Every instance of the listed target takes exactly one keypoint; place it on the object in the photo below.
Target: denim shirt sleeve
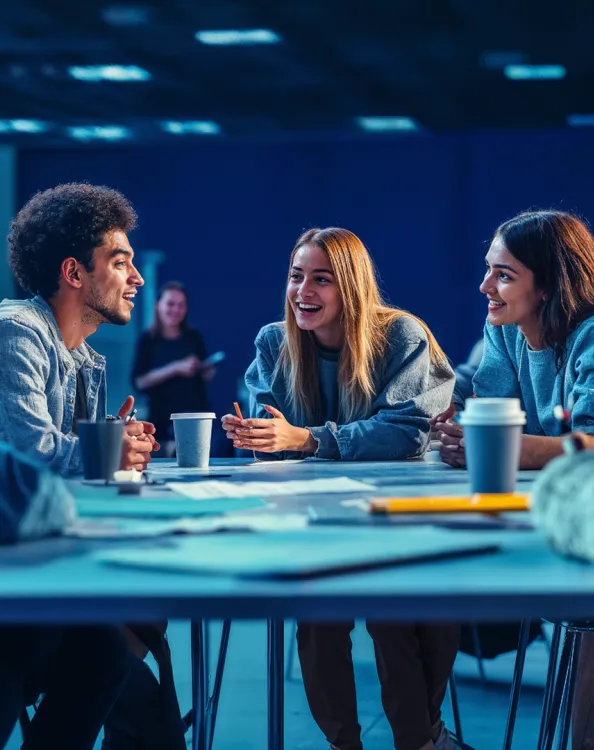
(413, 391)
(24, 407)
(258, 379)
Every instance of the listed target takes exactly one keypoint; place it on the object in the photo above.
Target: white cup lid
(493, 411)
(194, 415)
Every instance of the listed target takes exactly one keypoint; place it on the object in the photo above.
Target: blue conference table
(62, 579)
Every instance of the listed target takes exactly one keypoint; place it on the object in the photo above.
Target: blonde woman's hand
(271, 435)
(451, 448)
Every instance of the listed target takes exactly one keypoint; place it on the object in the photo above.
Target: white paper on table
(206, 490)
(84, 528)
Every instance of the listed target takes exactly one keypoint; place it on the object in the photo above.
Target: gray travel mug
(101, 447)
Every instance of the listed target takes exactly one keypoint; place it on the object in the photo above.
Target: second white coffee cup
(193, 432)
(492, 438)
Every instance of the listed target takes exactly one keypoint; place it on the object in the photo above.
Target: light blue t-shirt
(509, 368)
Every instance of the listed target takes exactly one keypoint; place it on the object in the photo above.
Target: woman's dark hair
(559, 250)
(69, 220)
(156, 328)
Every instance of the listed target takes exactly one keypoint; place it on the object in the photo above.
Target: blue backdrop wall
(227, 214)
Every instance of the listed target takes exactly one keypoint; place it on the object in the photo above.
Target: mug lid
(493, 411)
(194, 415)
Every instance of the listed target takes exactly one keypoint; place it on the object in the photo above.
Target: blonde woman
(347, 377)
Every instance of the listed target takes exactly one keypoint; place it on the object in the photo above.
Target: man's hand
(268, 435)
(139, 440)
(451, 449)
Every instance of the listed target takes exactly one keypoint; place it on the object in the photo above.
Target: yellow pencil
(478, 503)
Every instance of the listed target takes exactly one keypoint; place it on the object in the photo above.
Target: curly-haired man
(68, 246)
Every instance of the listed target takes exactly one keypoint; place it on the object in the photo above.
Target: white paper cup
(192, 438)
(492, 438)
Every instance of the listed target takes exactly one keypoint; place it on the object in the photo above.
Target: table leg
(276, 654)
(199, 682)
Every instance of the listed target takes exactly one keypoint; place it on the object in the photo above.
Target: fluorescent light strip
(22, 126)
(238, 36)
(580, 121)
(534, 72)
(386, 124)
(117, 73)
(191, 127)
(99, 132)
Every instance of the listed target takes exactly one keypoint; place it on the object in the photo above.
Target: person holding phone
(347, 377)
(170, 364)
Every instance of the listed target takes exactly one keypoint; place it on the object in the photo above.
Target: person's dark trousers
(414, 663)
(80, 670)
(142, 719)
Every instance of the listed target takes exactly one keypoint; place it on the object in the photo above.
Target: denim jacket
(38, 384)
(409, 390)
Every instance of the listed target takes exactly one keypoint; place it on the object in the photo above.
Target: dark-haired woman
(539, 334)
(539, 347)
(168, 363)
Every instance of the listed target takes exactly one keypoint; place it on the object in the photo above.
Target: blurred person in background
(168, 364)
(347, 377)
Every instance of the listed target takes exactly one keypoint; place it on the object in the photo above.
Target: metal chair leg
(567, 703)
(555, 705)
(455, 707)
(199, 683)
(476, 644)
(550, 683)
(212, 705)
(516, 684)
(276, 657)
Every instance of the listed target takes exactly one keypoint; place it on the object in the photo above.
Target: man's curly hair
(66, 221)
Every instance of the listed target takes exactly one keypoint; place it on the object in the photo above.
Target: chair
(560, 684)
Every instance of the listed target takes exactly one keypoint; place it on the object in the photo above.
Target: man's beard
(98, 306)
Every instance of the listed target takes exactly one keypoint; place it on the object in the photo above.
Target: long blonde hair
(366, 319)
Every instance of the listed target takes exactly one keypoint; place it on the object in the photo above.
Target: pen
(571, 444)
(131, 417)
(238, 410)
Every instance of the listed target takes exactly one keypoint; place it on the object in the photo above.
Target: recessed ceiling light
(123, 73)
(22, 126)
(579, 121)
(384, 124)
(497, 59)
(105, 132)
(124, 16)
(534, 72)
(191, 127)
(238, 36)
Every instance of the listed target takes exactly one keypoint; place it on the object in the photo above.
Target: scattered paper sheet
(205, 490)
(128, 529)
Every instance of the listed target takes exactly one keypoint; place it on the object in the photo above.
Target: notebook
(299, 554)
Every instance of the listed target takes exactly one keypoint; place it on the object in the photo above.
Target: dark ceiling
(437, 61)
